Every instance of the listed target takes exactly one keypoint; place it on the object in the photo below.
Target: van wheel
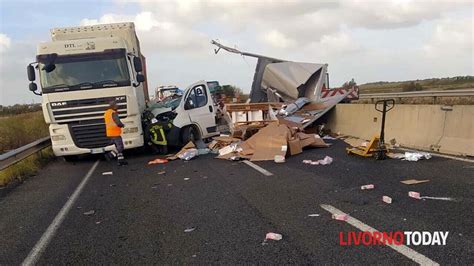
(189, 134)
(159, 149)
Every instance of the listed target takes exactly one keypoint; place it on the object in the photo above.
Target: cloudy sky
(366, 40)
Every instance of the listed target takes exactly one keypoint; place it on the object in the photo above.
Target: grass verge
(26, 168)
(19, 130)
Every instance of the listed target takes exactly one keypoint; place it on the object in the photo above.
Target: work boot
(122, 162)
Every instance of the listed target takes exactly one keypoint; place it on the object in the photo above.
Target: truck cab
(81, 70)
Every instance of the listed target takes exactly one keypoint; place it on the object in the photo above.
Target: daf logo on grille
(120, 98)
(58, 104)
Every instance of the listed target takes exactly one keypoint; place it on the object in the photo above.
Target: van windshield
(84, 71)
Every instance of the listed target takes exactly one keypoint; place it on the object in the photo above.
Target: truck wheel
(189, 134)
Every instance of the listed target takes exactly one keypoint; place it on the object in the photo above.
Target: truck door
(200, 108)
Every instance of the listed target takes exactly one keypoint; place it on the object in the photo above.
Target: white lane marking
(258, 168)
(41, 245)
(402, 249)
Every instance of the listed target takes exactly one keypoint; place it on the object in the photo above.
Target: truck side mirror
(33, 87)
(31, 73)
(137, 64)
(140, 78)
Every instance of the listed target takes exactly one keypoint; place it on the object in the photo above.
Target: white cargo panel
(125, 31)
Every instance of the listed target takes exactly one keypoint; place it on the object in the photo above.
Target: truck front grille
(77, 111)
(89, 136)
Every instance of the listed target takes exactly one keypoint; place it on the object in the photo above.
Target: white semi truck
(83, 68)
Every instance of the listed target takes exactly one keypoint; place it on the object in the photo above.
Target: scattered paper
(415, 156)
(162, 172)
(340, 217)
(369, 186)
(279, 158)
(326, 161)
(107, 173)
(314, 215)
(186, 178)
(88, 213)
(273, 236)
(414, 181)
(189, 230)
(387, 199)
(158, 161)
(413, 194)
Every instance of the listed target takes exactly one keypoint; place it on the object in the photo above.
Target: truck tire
(189, 134)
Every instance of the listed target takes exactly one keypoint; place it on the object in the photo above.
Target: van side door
(199, 106)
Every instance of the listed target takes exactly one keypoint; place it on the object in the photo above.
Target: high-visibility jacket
(111, 128)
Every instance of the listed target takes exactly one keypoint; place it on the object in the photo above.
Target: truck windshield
(84, 71)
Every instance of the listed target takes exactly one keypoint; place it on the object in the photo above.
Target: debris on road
(186, 178)
(107, 173)
(88, 213)
(158, 161)
(189, 230)
(438, 198)
(413, 194)
(162, 172)
(313, 215)
(326, 161)
(414, 181)
(112, 185)
(279, 159)
(340, 217)
(394, 155)
(387, 199)
(188, 154)
(98, 222)
(415, 156)
(275, 139)
(369, 186)
(273, 236)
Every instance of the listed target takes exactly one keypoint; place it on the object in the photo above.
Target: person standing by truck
(113, 128)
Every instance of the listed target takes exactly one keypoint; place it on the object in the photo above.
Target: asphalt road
(141, 215)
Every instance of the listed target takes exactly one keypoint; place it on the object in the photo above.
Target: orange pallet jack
(376, 146)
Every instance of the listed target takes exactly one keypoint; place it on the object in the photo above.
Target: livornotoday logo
(409, 238)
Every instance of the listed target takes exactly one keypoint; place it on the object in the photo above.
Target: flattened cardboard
(268, 142)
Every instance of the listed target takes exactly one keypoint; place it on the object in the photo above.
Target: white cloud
(451, 36)
(13, 77)
(4, 42)
(157, 35)
(277, 39)
(175, 36)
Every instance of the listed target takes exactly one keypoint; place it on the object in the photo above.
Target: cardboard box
(295, 147)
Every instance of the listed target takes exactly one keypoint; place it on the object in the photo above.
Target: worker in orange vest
(113, 127)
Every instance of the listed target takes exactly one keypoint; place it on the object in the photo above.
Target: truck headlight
(130, 130)
(58, 137)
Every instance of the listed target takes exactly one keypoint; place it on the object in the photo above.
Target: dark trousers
(118, 142)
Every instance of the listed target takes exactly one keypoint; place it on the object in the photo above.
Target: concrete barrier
(429, 127)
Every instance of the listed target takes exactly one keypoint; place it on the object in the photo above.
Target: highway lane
(141, 215)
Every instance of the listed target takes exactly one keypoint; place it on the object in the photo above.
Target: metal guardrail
(14, 156)
(411, 94)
